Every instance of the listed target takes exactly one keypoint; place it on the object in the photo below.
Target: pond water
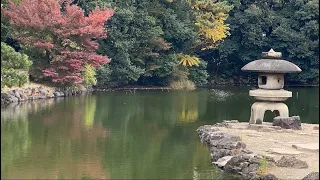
(119, 135)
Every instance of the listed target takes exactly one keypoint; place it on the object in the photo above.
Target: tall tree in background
(144, 42)
(149, 39)
(211, 16)
(58, 37)
(290, 27)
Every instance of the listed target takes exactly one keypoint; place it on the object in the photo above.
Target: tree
(11, 61)
(211, 16)
(290, 27)
(146, 38)
(58, 37)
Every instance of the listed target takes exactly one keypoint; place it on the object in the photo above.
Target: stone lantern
(270, 94)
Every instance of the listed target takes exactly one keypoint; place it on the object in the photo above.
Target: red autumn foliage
(62, 37)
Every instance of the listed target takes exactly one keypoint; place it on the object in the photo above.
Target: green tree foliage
(290, 27)
(11, 61)
(145, 38)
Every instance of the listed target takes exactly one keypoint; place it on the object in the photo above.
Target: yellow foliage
(211, 16)
(187, 60)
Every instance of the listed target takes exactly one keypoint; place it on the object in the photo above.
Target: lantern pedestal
(259, 108)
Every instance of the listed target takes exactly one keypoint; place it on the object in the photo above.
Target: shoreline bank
(263, 151)
(43, 92)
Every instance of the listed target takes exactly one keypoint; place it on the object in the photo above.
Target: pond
(123, 135)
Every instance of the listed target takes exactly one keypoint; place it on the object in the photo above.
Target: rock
(66, 93)
(222, 161)
(56, 94)
(252, 168)
(223, 124)
(291, 162)
(316, 128)
(24, 97)
(310, 147)
(284, 151)
(43, 92)
(229, 144)
(312, 176)
(10, 93)
(33, 91)
(287, 122)
(8, 98)
(250, 176)
(268, 177)
(230, 121)
(218, 153)
(16, 94)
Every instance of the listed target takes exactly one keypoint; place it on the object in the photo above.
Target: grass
(183, 85)
(263, 166)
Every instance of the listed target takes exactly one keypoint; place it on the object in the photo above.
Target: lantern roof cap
(271, 63)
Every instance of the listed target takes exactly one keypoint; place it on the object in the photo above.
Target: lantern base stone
(259, 108)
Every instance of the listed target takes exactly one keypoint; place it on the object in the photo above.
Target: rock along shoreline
(36, 93)
(229, 152)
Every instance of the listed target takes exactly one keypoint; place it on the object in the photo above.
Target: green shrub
(11, 62)
(199, 74)
(89, 75)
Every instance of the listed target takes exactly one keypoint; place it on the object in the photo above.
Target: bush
(89, 75)
(183, 85)
(11, 62)
(199, 75)
(179, 79)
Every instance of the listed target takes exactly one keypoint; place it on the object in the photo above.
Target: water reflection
(146, 135)
(62, 143)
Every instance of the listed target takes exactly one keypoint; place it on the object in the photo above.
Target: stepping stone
(310, 147)
(284, 151)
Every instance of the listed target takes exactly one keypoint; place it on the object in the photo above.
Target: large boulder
(287, 122)
(291, 162)
(7, 98)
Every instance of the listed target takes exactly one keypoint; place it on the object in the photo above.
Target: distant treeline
(177, 43)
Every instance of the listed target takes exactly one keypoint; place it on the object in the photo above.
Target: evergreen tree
(145, 38)
(290, 27)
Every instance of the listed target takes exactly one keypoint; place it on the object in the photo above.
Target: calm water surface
(118, 135)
